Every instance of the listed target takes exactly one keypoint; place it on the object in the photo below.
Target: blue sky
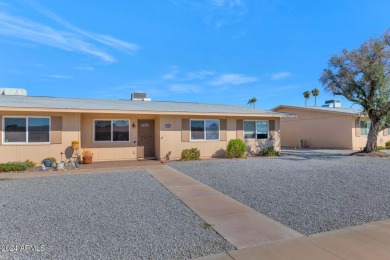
(211, 51)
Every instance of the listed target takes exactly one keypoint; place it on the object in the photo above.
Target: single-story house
(38, 127)
(326, 127)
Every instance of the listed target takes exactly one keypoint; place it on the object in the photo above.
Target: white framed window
(26, 129)
(256, 129)
(204, 129)
(111, 130)
(365, 127)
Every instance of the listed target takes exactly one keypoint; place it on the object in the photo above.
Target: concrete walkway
(368, 241)
(259, 237)
(242, 226)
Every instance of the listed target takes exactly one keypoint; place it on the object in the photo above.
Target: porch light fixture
(133, 125)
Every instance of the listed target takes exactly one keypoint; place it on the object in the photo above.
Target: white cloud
(218, 13)
(104, 39)
(184, 88)
(58, 76)
(201, 74)
(281, 75)
(73, 39)
(232, 79)
(227, 3)
(85, 68)
(172, 74)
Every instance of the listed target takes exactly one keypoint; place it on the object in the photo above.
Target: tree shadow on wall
(221, 153)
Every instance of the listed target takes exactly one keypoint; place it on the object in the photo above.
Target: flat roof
(339, 110)
(110, 106)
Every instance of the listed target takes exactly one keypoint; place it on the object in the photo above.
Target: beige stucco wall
(37, 152)
(77, 126)
(359, 142)
(382, 139)
(108, 151)
(318, 129)
(254, 146)
(116, 151)
(157, 137)
(171, 142)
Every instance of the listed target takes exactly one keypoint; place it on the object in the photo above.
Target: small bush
(381, 148)
(387, 144)
(190, 154)
(236, 148)
(269, 151)
(52, 159)
(87, 153)
(14, 166)
(29, 163)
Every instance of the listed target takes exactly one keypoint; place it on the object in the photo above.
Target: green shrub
(381, 148)
(236, 148)
(52, 159)
(190, 154)
(14, 166)
(387, 144)
(269, 151)
(29, 163)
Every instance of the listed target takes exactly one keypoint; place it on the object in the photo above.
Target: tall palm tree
(306, 95)
(252, 101)
(315, 92)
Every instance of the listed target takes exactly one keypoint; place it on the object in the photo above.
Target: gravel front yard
(310, 192)
(101, 216)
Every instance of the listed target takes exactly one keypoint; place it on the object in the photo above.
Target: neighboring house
(326, 127)
(37, 127)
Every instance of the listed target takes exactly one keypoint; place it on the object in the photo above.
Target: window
(112, 130)
(204, 129)
(26, 130)
(365, 127)
(255, 129)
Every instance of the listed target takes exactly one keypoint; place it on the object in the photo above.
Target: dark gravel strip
(310, 194)
(101, 216)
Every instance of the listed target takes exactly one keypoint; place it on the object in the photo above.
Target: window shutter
(240, 129)
(357, 127)
(56, 130)
(385, 132)
(1, 129)
(223, 130)
(271, 125)
(185, 130)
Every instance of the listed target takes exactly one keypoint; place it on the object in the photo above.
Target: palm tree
(306, 95)
(252, 101)
(315, 92)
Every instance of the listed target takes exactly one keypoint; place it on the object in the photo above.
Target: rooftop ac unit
(138, 96)
(13, 92)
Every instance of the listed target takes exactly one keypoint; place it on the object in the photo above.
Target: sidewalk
(368, 241)
(241, 225)
(259, 237)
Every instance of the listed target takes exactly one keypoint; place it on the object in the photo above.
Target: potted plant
(75, 145)
(87, 156)
(60, 165)
(49, 161)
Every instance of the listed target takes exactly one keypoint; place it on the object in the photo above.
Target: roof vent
(332, 103)
(139, 97)
(13, 92)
